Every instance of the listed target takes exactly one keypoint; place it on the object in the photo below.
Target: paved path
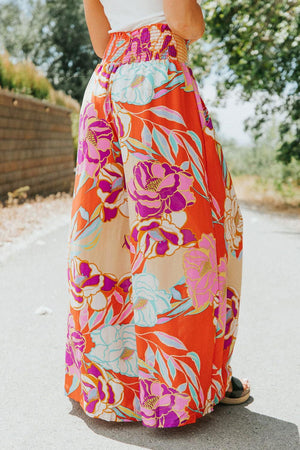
(35, 414)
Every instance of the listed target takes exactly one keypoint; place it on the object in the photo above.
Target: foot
(238, 392)
(245, 383)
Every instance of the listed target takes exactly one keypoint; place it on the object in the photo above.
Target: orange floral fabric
(155, 243)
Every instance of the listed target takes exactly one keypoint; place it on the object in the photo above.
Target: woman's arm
(185, 18)
(97, 24)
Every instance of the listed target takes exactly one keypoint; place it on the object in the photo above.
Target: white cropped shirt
(126, 15)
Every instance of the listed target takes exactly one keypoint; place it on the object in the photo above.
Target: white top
(126, 15)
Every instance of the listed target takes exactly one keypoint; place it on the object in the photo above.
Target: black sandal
(238, 394)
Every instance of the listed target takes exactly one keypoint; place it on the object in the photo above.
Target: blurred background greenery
(252, 45)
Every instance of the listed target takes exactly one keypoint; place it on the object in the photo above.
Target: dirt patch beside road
(21, 220)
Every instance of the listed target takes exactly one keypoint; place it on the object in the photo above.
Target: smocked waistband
(151, 42)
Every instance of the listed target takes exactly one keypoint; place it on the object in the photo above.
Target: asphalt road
(34, 412)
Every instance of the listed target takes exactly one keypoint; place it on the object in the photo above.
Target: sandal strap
(237, 388)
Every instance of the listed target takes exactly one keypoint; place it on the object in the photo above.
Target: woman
(155, 246)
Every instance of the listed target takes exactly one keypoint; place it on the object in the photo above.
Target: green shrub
(24, 78)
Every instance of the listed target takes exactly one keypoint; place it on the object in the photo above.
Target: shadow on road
(234, 427)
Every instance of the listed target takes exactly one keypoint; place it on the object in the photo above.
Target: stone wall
(36, 146)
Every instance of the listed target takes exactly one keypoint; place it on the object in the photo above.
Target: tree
(21, 28)
(254, 44)
(54, 35)
(68, 50)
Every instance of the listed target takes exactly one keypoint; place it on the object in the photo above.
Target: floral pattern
(88, 284)
(101, 394)
(155, 241)
(137, 83)
(95, 139)
(148, 300)
(115, 349)
(162, 404)
(158, 188)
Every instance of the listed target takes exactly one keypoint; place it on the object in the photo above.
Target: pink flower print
(162, 406)
(202, 271)
(159, 188)
(94, 143)
(74, 348)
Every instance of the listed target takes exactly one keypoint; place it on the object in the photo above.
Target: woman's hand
(185, 18)
(97, 24)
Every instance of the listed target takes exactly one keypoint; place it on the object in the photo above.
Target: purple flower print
(88, 285)
(159, 188)
(112, 192)
(74, 348)
(95, 140)
(101, 393)
(233, 301)
(162, 406)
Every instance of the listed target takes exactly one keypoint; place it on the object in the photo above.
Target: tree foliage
(54, 35)
(21, 28)
(68, 47)
(254, 44)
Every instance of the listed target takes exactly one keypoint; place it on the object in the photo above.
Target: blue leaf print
(175, 294)
(185, 165)
(146, 136)
(190, 373)
(198, 177)
(195, 358)
(109, 316)
(173, 144)
(196, 139)
(167, 113)
(84, 214)
(163, 368)
(172, 368)
(182, 387)
(163, 145)
(149, 356)
(91, 228)
(194, 394)
(182, 308)
(170, 341)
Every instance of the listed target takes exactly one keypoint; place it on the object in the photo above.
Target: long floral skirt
(155, 241)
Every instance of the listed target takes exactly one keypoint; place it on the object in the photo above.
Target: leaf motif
(171, 367)
(198, 177)
(195, 358)
(84, 214)
(169, 340)
(196, 139)
(128, 412)
(149, 356)
(163, 368)
(109, 316)
(194, 394)
(190, 373)
(143, 364)
(91, 228)
(163, 145)
(173, 144)
(182, 387)
(167, 113)
(138, 144)
(96, 212)
(146, 136)
(192, 153)
(185, 165)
